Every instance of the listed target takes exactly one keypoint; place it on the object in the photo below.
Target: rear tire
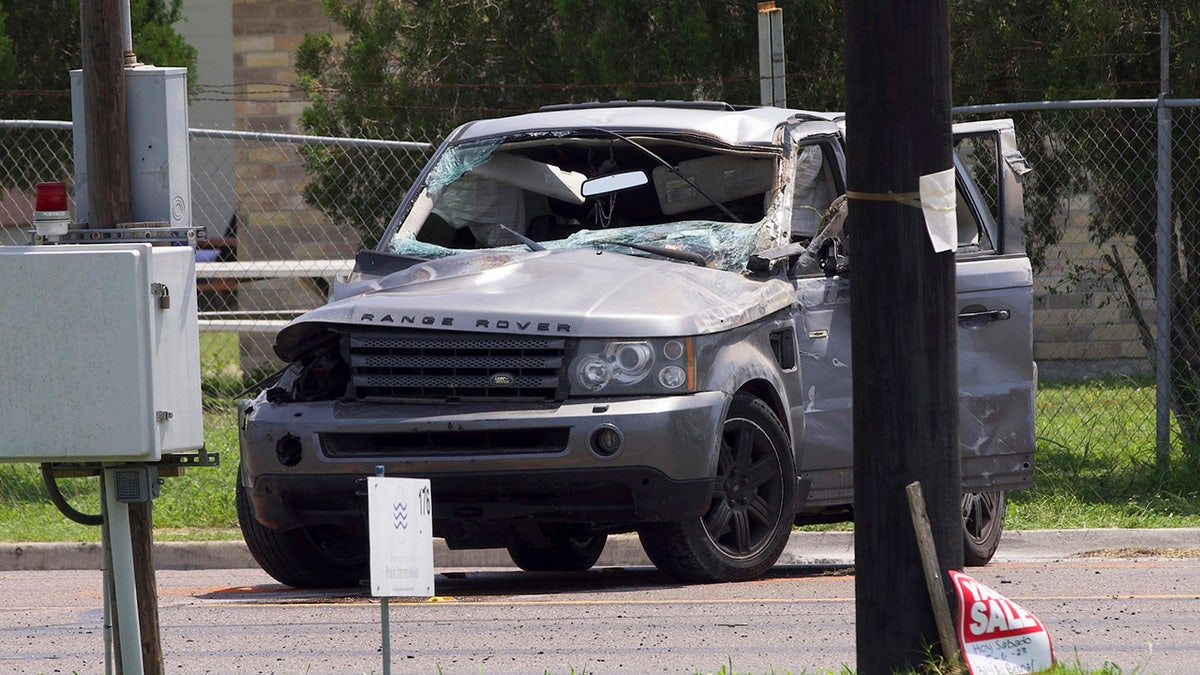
(753, 505)
(564, 553)
(983, 522)
(306, 557)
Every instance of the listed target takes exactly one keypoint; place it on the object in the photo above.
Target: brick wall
(1080, 314)
(265, 36)
(273, 221)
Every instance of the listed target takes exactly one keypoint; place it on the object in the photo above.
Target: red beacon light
(50, 217)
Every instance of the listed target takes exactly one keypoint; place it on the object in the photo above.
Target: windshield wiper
(725, 210)
(672, 253)
(381, 262)
(533, 245)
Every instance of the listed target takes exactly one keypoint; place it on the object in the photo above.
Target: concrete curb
(804, 548)
(1017, 545)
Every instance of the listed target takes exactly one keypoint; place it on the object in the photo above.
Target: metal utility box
(159, 171)
(99, 353)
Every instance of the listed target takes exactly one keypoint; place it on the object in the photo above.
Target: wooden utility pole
(902, 313)
(141, 536)
(109, 201)
(110, 205)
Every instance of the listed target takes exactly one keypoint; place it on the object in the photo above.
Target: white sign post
(998, 636)
(400, 526)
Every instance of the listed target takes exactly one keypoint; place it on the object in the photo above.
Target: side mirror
(613, 182)
(832, 257)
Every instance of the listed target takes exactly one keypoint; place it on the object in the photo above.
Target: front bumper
(301, 462)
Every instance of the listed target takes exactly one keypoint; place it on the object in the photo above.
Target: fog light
(288, 450)
(606, 441)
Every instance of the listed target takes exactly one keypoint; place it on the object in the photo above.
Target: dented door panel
(995, 372)
(996, 379)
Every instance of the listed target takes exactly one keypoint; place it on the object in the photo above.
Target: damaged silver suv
(623, 317)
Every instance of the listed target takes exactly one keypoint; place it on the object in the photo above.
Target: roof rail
(644, 103)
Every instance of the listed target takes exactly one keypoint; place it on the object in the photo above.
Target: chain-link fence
(1116, 343)
(1091, 204)
(1094, 236)
(252, 193)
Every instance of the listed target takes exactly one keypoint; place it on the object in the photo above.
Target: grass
(1095, 467)
(195, 506)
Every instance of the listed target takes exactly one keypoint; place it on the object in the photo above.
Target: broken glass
(456, 162)
(725, 246)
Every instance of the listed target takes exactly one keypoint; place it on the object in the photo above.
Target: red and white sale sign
(998, 636)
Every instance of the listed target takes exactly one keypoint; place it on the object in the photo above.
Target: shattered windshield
(456, 162)
(684, 195)
(724, 246)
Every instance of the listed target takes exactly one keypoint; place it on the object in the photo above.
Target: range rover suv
(623, 317)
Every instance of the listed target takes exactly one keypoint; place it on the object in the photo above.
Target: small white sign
(998, 636)
(400, 520)
(938, 202)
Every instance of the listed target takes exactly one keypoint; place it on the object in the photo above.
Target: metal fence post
(1163, 289)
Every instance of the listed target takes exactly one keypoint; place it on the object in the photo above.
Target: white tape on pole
(938, 202)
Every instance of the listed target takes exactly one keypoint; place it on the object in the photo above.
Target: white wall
(208, 26)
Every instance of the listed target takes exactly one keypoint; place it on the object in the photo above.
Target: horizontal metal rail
(63, 125)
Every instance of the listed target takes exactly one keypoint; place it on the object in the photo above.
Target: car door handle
(982, 316)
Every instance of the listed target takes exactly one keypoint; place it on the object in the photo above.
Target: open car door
(997, 376)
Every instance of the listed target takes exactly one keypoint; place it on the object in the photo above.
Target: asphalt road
(1130, 605)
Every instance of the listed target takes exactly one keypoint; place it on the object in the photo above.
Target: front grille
(399, 366)
(436, 444)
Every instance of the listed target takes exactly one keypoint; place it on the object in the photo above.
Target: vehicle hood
(564, 293)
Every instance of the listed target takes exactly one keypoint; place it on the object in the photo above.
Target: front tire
(753, 505)
(983, 522)
(306, 557)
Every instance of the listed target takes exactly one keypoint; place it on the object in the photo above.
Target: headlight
(672, 377)
(633, 367)
(592, 373)
(631, 361)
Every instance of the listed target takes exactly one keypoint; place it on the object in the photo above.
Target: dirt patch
(1139, 553)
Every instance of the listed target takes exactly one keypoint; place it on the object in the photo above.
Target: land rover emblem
(502, 380)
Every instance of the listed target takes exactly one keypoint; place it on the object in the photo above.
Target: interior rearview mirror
(613, 182)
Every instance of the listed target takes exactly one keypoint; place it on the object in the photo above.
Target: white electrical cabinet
(99, 353)
(159, 168)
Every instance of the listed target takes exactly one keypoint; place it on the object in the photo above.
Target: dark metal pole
(904, 347)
